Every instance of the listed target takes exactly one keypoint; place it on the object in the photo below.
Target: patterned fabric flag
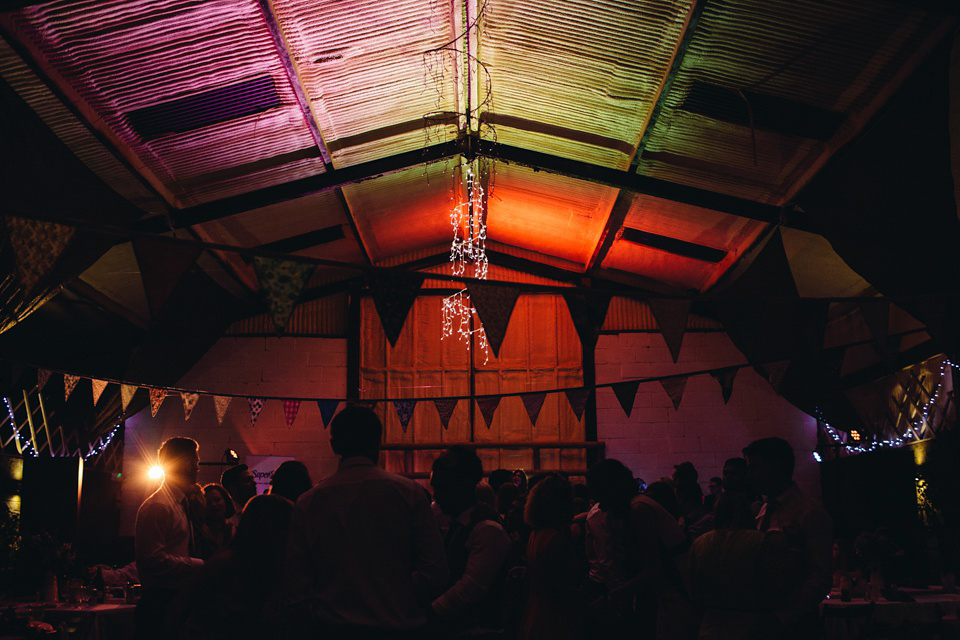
(626, 393)
(393, 295)
(189, 402)
(725, 378)
(256, 406)
(671, 316)
(578, 400)
(221, 403)
(156, 399)
(404, 411)
(494, 305)
(445, 409)
(127, 391)
(282, 281)
(488, 406)
(42, 376)
(37, 245)
(533, 402)
(98, 388)
(774, 373)
(69, 384)
(290, 409)
(162, 265)
(327, 409)
(588, 314)
(674, 388)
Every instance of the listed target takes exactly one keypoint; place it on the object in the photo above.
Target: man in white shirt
(165, 540)
(807, 530)
(476, 544)
(364, 555)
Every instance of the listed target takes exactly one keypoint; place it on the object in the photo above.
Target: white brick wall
(308, 367)
(704, 431)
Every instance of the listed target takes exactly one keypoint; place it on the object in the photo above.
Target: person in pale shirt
(807, 529)
(364, 554)
(476, 544)
(165, 541)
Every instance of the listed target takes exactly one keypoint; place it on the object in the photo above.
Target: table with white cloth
(96, 622)
(846, 620)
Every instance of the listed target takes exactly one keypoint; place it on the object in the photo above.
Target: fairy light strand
(25, 445)
(104, 443)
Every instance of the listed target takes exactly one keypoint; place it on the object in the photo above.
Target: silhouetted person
(239, 482)
(476, 544)
(236, 594)
(364, 555)
(714, 490)
(806, 527)
(685, 472)
(554, 608)
(290, 480)
(664, 495)
(498, 477)
(217, 528)
(165, 541)
(695, 519)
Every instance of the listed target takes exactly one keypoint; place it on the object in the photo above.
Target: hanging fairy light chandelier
(468, 258)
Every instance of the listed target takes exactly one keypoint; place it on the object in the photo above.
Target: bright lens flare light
(155, 472)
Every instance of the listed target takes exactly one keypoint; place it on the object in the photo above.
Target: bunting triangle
(774, 372)
(578, 400)
(189, 402)
(156, 399)
(533, 403)
(626, 393)
(36, 245)
(327, 409)
(671, 315)
(220, 403)
(488, 406)
(445, 409)
(290, 409)
(404, 411)
(588, 314)
(494, 305)
(281, 282)
(162, 265)
(393, 295)
(256, 406)
(43, 375)
(127, 392)
(69, 384)
(876, 314)
(674, 388)
(725, 378)
(98, 387)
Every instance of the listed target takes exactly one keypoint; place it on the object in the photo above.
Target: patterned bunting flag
(674, 388)
(671, 316)
(162, 265)
(282, 281)
(189, 402)
(156, 399)
(725, 378)
(578, 400)
(42, 376)
(98, 387)
(393, 295)
(494, 305)
(626, 393)
(256, 406)
(37, 245)
(69, 384)
(127, 391)
(404, 411)
(488, 406)
(588, 314)
(445, 409)
(290, 409)
(221, 403)
(774, 372)
(327, 409)
(533, 402)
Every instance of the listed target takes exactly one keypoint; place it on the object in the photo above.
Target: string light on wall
(467, 251)
(24, 445)
(104, 443)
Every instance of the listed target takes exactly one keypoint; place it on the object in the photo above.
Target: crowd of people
(370, 555)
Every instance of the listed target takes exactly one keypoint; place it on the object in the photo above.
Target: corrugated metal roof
(119, 56)
(362, 67)
(593, 68)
